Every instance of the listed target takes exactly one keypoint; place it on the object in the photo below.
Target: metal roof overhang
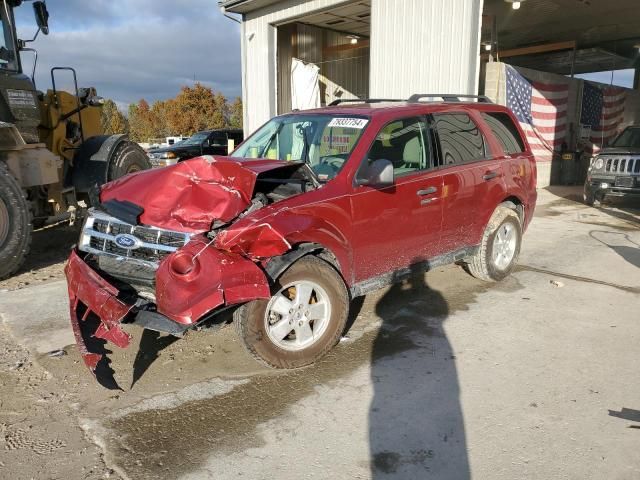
(606, 33)
(244, 6)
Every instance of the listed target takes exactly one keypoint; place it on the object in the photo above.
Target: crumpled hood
(191, 195)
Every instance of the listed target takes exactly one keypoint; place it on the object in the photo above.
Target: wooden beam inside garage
(548, 47)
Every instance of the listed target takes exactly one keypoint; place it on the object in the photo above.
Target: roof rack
(363, 100)
(448, 97)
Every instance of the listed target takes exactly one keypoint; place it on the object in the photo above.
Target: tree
(235, 113)
(141, 122)
(113, 121)
(196, 108)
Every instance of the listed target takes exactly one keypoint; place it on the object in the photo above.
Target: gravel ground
(49, 250)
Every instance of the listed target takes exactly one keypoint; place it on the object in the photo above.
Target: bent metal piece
(189, 284)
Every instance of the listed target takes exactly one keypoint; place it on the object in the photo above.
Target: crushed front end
(126, 271)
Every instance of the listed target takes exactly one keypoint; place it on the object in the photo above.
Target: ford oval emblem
(126, 241)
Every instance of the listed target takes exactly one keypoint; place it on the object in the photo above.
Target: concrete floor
(441, 377)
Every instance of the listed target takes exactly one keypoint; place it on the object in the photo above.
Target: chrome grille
(100, 231)
(630, 165)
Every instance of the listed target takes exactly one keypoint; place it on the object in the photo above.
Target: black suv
(615, 171)
(208, 142)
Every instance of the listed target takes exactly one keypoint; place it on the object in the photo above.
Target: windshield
(8, 59)
(195, 139)
(629, 138)
(324, 142)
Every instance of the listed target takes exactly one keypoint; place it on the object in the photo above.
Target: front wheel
(498, 252)
(303, 319)
(15, 224)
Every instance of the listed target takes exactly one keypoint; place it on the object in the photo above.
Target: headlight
(598, 163)
(167, 155)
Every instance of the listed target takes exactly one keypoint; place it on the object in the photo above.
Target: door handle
(490, 175)
(426, 191)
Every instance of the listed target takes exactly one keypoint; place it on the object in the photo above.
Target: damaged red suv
(312, 210)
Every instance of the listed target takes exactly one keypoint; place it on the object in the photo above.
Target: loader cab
(19, 104)
(9, 58)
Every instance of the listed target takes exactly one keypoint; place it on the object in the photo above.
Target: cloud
(137, 49)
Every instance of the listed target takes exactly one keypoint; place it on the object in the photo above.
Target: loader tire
(128, 158)
(15, 224)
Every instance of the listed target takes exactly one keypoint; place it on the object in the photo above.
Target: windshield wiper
(305, 146)
(271, 138)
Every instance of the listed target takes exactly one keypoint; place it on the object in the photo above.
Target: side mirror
(378, 174)
(42, 16)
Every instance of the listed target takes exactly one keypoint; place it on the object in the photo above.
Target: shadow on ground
(626, 209)
(621, 243)
(415, 420)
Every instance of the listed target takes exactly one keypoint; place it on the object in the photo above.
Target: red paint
(190, 195)
(369, 231)
(99, 297)
(217, 278)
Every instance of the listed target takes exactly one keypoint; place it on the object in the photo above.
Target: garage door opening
(337, 42)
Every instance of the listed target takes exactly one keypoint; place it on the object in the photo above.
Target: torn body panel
(190, 283)
(198, 278)
(91, 294)
(191, 195)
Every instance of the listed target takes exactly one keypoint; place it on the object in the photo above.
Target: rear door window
(461, 141)
(505, 131)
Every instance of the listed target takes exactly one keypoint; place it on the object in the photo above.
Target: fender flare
(278, 265)
(91, 161)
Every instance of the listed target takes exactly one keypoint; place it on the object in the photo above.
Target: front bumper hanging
(214, 279)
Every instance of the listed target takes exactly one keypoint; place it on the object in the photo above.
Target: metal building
(395, 48)
(356, 44)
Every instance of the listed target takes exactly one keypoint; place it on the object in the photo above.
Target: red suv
(312, 210)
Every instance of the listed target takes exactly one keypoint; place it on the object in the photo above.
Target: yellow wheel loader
(52, 147)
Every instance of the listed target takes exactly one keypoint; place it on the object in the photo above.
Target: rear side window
(460, 139)
(505, 131)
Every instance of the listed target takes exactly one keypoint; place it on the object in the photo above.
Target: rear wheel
(498, 252)
(128, 158)
(303, 319)
(15, 224)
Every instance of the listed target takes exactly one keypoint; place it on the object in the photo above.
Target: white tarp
(305, 89)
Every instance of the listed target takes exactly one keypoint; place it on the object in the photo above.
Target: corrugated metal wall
(343, 73)
(259, 50)
(424, 46)
(417, 46)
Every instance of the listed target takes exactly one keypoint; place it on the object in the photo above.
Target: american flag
(541, 109)
(603, 111)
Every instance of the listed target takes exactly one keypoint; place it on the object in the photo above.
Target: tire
(589, 197)
(251, 319)
(15, 224)
(483, 265)
(128, 158)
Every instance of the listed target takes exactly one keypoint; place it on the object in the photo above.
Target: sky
(132, 49)
(621, 78)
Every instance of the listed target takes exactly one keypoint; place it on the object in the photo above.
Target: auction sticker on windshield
(359, 123)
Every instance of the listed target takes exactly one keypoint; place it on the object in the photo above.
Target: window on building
(460, 139)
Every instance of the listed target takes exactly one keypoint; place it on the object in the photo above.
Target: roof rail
(363, 100)
(448, 97)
